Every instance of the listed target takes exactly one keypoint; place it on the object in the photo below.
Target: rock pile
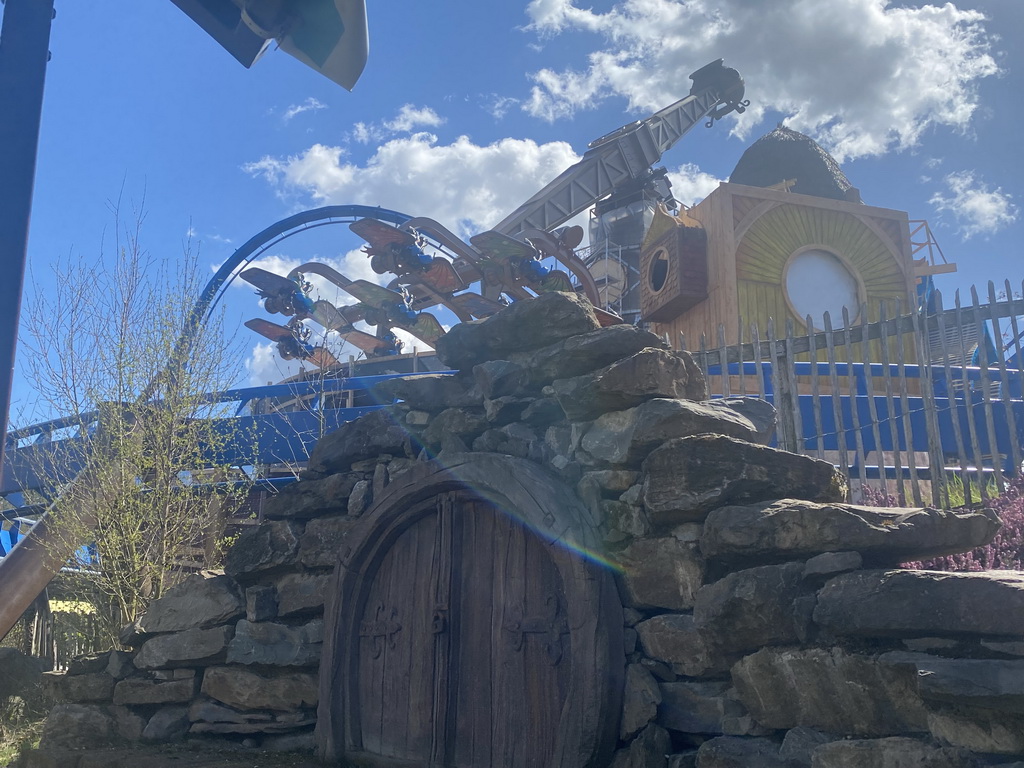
(766, 622)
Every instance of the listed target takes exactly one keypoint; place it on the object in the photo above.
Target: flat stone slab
(627, 437)
(980, 730)
(830, 690)
(367, 437)
(995, 684)
(272, 644)
(193, 647)
(201, 600)
(891, 752)
(626, 383)
(524, 325)
(788, 529)
(587, 352)
(904, 603)
(686, 478)
(242, 690)
(430, 391)
(312, 498)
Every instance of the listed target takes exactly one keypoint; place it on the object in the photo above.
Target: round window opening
(658, 271)
(818, 282)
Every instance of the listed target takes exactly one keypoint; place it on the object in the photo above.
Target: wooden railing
(904, 405)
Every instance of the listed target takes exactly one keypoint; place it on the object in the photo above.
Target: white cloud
(410, 117)
(861, 76)
(979, 209)
(498, 106)
(457, 183)
(309, 105)
(690, 184)
(265, 366)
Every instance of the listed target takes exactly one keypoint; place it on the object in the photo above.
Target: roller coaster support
(38, 557)
(24, 51)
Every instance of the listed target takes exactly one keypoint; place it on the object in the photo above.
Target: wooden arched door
(466, 635)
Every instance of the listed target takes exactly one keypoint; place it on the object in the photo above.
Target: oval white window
(818, 282)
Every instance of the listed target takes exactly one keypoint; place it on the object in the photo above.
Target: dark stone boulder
(263, 548)
(891, 752)
(641, 697)
(660, 573)
(980, 730)
(367, 437)
(626, 383)
(821, 568)
(79, 726)
(543, 413)
(191, 648)
(525, 325)
(736, 752)
(792, 528)
(167, 724)
(242, 689)
(676, 640)
(687, 477)
(506, 409)
(431, 392)
(760, 412)
(500, 378)
(586, 352)
(993, 684)
(312, 498)
(751, 608)
(830, 690)
(278, 645)
(91, 686)
(260, 603)
(301, 593)
(202, 600)
(137, 691)
(901, 603)
(627, 437)
(648, 750)
(463, 423)
(702, 707)
(322, 540)
(799, 743)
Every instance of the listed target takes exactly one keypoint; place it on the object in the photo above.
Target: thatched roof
(785, 154)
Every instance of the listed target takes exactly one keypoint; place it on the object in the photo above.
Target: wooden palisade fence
(904, 405)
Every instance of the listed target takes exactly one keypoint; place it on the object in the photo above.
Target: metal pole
(24, 51)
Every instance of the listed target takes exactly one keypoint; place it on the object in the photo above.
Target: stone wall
(766, 622)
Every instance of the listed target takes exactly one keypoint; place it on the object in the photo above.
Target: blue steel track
(39, 454)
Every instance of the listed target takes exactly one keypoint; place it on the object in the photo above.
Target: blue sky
(465, 109)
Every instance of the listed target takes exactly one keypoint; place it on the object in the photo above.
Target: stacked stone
(765, 623)
(224, 658)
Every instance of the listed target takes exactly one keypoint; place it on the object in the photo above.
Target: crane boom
(628, 153)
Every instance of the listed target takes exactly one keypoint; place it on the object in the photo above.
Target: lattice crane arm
(627, 154)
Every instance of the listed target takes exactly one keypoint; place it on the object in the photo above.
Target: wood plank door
(510, 650)
(463, 643)
(396, 674)
(469, 632)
